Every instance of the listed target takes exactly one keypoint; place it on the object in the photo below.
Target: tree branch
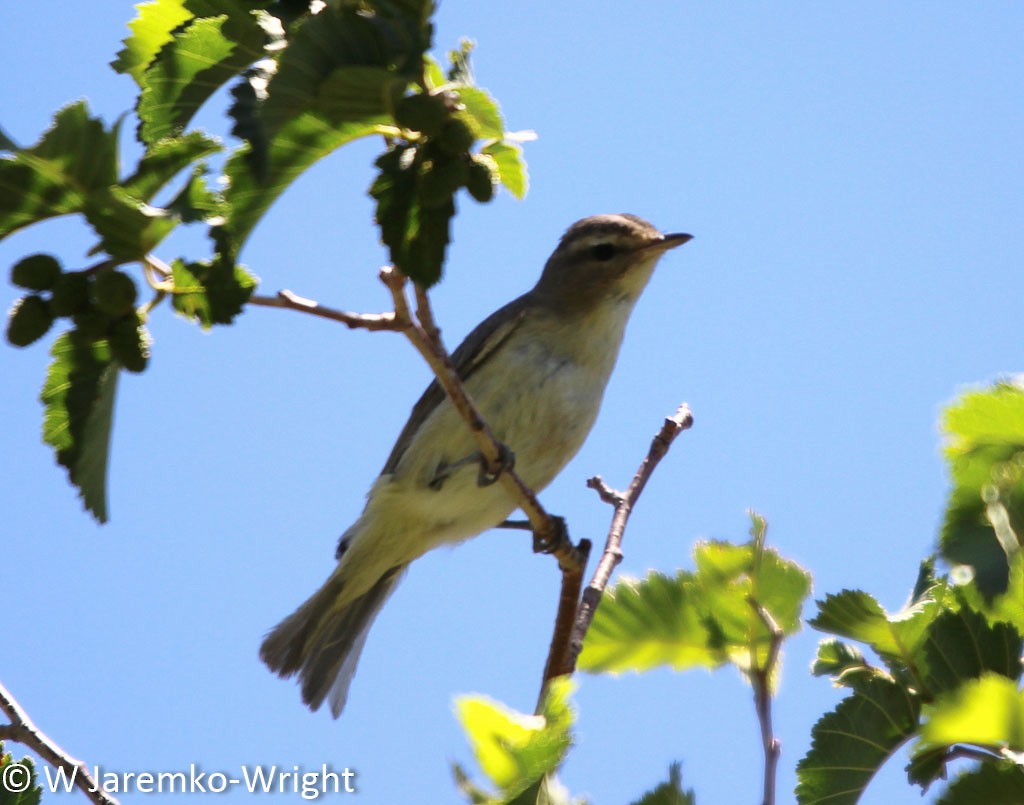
(612, 555)
(422, 331)
(24, 731)
(761, 677)
(366, 321)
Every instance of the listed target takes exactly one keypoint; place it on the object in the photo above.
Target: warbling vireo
(536, 369)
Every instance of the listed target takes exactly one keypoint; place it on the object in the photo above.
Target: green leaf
(700, 619)
(985, 515)
(128, 229)
(19, 787)
(164, 160)
(483, 113)
(670, 793)
(337, 81)
(210, 292)
(75, 156)
(645, 624)
(991, 784)
(197, 202)
(839, 660)
(988, 711)
(516, 750)
(200, 58)
(78, 399)
(856, 615)
(150, 31)
(511, 166)
(852, 742)
(962, 645)
(414, 224)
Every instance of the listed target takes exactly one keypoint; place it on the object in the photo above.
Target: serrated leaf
(150, 31)
(483, 113)
(985, 516)
(189, 68)
(852, 742)
(671, 792)
(416, 234)
(511, 167)
(857, 615)
(210, 292)
(18, 787)
(962, 645)
(296, 147)
(516, 750)
(164, 160)
(336, 82)
(197, 202)
(990, 783)
(75, 156)
(644, 624)
(128, 229)
(700, 619)
(839, 660)
(78, 400)
(988, 711)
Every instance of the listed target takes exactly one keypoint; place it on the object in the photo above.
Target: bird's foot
(489, 474)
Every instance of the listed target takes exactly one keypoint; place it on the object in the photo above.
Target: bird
(537, 369)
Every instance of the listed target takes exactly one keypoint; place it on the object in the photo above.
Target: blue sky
(853, 176)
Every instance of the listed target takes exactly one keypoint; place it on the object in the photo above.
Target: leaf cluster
(304, 79)
(949, 669)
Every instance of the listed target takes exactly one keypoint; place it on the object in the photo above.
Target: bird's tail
(322, 640)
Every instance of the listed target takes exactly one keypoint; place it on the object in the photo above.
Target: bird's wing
(472, 353)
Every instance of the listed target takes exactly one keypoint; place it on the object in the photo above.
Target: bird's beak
(670, 241)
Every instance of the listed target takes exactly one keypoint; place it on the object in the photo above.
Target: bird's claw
(558, 534)
(506, 461)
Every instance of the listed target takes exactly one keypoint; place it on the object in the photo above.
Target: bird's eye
(602, 251)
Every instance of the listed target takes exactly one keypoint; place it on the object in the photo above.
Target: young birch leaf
(78, 400)
(851, 743)
(644, 624)
(984, 520)
(483, 113)
(511, 166)
(513, 749)
(988, 711)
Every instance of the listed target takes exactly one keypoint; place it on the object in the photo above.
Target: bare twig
(761, 677)
(365, 321)
(623, 503)
(24, 731)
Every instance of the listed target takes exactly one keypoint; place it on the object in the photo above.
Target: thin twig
(24, 731)
(761, 678)
(366, 321)
(623, 503)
